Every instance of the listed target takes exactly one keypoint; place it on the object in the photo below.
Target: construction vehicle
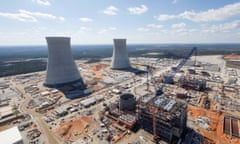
(168, 80)
(176, 69)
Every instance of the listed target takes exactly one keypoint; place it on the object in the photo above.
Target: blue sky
(28, 22)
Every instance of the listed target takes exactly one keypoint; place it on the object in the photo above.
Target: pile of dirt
(75, 129)
(98, 67)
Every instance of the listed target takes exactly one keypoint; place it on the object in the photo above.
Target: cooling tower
(61, 68)
(120, 58)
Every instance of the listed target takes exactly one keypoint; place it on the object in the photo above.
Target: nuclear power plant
(153, 99)
(120, 58)
(169, 117)
(127, 102)
(61, 68)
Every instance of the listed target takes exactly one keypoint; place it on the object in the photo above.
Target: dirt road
(48, 136)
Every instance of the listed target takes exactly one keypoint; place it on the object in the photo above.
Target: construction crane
(159, 91)
(149, 74)
(176, 69)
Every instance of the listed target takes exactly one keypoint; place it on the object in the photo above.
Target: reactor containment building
(61, 68)
(120, 58)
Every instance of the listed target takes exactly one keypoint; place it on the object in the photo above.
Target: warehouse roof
(10, 136)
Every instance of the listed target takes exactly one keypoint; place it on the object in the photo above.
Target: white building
(120, 58)
(61, 68)
(6, 111)
(11, 136)
(90, 101)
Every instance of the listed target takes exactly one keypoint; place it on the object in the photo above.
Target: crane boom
(159, 91)
(184, 60)
(169, 78)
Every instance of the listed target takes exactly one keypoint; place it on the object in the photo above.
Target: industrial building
(192, 83)
(212, 68)
(127, 119)
(60, 112)
(91, 101)
(120, 58)
(169, 117)
(232, 61)
(6, 111)
(127, 102)
(61, 68)
(123, 111)
(11, 136)
(231, 126)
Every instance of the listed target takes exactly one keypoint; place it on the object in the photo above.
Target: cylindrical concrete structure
(61, 68)
(120, 58)
(127, 102)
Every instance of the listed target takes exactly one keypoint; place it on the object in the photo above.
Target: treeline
(95, 53)
(14, 68)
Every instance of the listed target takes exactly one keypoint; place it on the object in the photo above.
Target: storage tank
(127, 102)
(120, 58)
(61, 68)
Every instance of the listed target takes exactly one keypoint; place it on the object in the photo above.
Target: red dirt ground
(216, 125)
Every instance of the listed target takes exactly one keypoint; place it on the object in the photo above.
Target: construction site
(192, 108)
(148, 100)
(166, 118)
(72, 130)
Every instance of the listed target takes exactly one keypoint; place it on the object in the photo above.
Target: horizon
(109, 44)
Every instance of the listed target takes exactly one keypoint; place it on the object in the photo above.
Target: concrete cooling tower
(120, 58)
(61, 68)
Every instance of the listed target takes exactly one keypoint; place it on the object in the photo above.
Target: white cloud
(106, 30)
(149, 27)
(164, 17)
(138, 10)
(84, 19)
(42, 2)
(84, 29)
(27, 16)
(154, 26)
(19, 16)
(39, 14)
(219, 14)
(178, 26)
(142, 29)
(111, 10)
(61, 18)
(226, 27)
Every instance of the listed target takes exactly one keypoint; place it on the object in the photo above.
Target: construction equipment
(176, 69)
(149, 73)
(159, 91)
